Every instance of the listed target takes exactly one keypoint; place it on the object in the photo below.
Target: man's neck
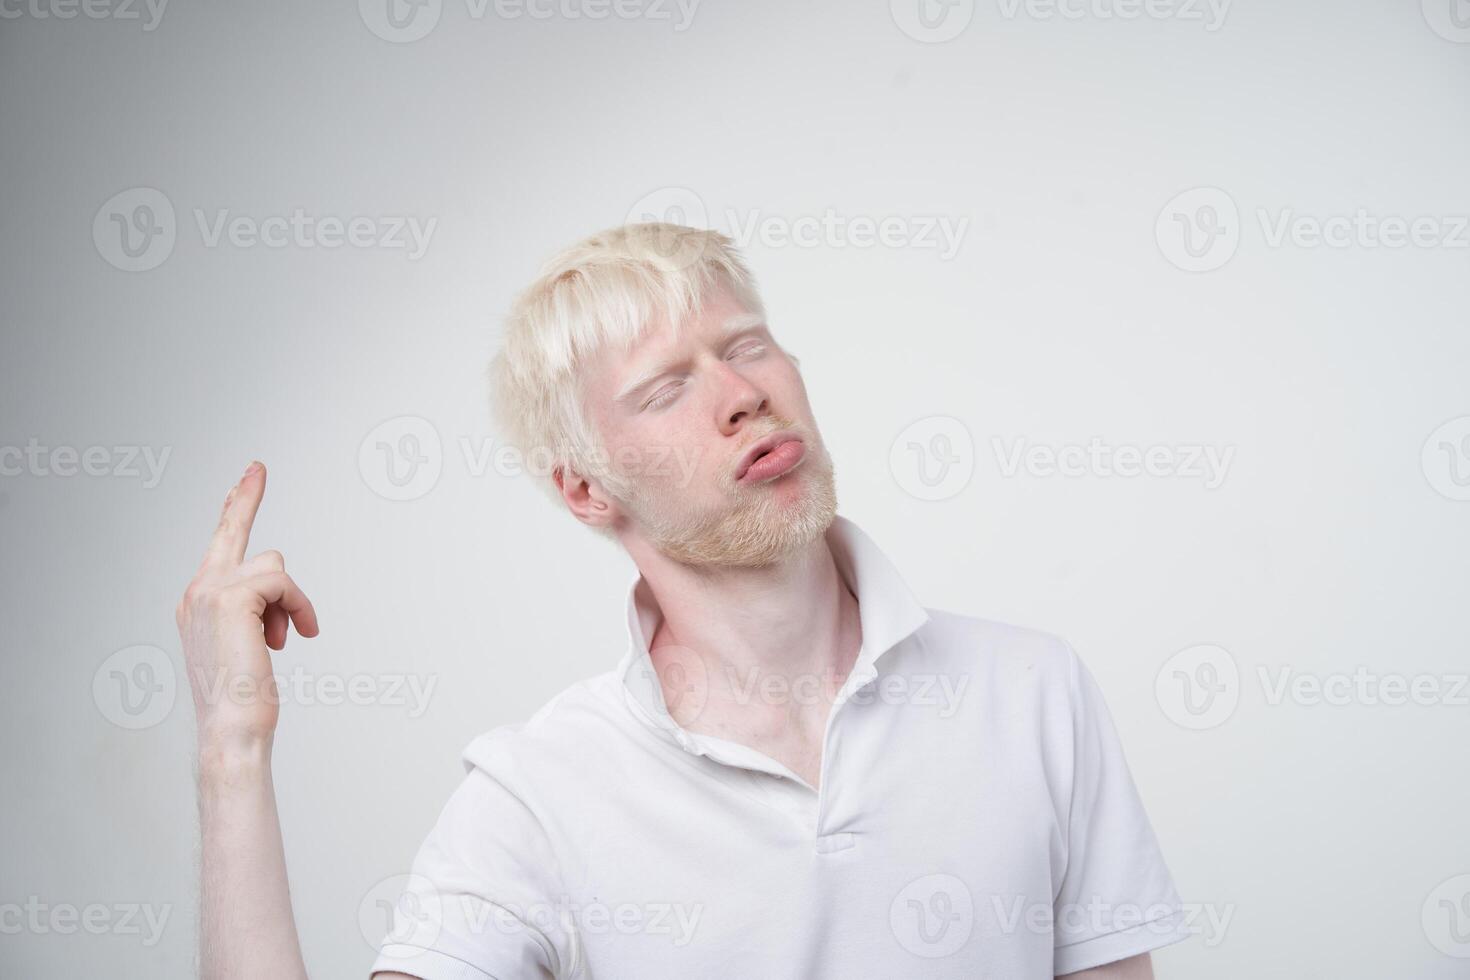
(774, 644)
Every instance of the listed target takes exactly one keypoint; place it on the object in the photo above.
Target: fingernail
(253, 467)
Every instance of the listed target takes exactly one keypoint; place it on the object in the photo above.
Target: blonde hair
(607, 289)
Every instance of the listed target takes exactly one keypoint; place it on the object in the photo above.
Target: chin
(764, 525)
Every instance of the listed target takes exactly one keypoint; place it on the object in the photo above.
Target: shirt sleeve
(481, 900)
(1117, 898)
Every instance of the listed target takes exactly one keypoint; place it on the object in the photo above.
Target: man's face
(680, 418)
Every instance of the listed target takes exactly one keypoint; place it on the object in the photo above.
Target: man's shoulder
(588, 712)
(962, 641)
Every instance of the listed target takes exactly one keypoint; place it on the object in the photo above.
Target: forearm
(247, 929)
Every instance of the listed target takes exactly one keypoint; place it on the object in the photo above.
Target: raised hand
(232, 611)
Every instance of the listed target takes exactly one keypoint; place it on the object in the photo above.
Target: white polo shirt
(975, 817)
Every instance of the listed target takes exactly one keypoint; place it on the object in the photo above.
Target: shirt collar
(888, 611)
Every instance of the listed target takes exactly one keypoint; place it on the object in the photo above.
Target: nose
(740, 401)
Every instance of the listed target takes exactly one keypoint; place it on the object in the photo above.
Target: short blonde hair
(607, 289)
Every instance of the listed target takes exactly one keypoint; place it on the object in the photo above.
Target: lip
(760, 448)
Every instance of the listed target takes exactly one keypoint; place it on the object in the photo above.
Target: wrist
(229, 754)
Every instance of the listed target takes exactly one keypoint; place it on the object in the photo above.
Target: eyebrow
(735, 325)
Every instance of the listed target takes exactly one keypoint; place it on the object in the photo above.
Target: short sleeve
(480, 902)
(1117, 898)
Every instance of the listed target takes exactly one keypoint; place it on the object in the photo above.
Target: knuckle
(219, 600)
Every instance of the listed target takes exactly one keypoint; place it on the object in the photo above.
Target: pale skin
(791, 618)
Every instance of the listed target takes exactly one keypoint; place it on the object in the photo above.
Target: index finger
(232, 536)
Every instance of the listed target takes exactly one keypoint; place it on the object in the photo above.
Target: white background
(1332, 543)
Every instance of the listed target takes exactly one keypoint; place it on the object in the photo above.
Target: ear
(586, 499)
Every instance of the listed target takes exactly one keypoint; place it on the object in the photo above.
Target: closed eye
(752, 349)
(663, 396)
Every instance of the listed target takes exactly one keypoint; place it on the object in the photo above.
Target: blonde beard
(752, 530)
